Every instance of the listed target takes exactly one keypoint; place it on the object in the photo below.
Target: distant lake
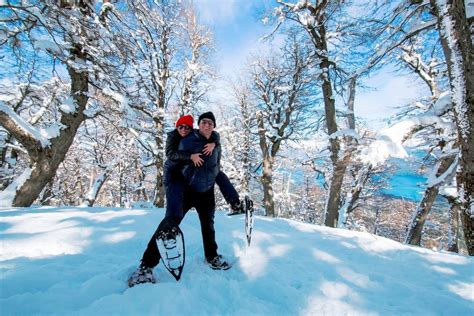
(402, 180)
(405, 183)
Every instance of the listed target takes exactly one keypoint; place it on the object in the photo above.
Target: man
(194, 189)
(200, 181)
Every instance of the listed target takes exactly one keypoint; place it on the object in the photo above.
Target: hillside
(75, 261)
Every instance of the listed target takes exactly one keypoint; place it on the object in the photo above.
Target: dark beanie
(207, 115)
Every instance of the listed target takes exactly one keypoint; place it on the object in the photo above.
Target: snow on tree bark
(455, 34)
(445, 171)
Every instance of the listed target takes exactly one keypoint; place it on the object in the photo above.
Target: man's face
(206, 126)
(184, 130)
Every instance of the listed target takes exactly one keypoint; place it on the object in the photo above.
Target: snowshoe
(170, 244)
(219, 263)
(248, 206)
(141, 275)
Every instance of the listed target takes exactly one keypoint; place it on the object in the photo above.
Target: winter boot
(237, 208)
(141, 275)
(219, 263)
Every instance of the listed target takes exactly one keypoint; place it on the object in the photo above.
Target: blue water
(405, 185)
(406, 182)
(402, 180)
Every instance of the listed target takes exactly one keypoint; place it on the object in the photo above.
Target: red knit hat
(185, 120)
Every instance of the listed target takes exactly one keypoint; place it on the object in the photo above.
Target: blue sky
(237, 28)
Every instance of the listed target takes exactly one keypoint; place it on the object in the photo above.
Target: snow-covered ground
(73, 261)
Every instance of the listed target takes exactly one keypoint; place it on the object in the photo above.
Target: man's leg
(205, 206)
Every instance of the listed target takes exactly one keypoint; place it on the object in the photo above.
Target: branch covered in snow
(27, 135)
(389, 142)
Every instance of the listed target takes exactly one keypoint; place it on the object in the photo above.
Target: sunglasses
(208, 122)
(184, 127)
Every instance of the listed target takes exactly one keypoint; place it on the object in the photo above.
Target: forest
(88, 90)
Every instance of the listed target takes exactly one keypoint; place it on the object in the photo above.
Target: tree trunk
(268, 200)
(415, 228)
(96, 185)
(245, 180)
(363, 175)
(159, 197)
(141, 177)
(376, 221)
(3, 151)
(123, 198)
(353, 197)
(351, 101)
(333, 202)
(46, 161)
(334, 195)
(457, 45)
(453, 225)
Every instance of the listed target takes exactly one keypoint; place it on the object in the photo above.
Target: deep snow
(69, 261)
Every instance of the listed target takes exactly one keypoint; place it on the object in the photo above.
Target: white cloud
(216, 11)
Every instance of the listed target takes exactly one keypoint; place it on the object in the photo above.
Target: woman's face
(184, 130)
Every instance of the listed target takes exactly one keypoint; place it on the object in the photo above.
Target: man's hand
(197, 160)
(209, 148)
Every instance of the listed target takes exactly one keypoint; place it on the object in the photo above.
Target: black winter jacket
(175, 160)
(201, 179)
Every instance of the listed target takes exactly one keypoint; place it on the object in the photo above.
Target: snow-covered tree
(71, 44)
(455, 28)
(193, 79)
(281, 86)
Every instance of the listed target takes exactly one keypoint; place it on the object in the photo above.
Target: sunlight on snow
(372, 243)
(361, 280)
(34, 224)
(118, 237)
(335, 290)
(30, 223)
(334, 301)
(465, 290)
(443, 258)
(284, 271)
(57, 242)
(303, 227)
(444, 270)
(324, 256)
(254, 260)
(347, 245)
(278, 250)
(56, 233)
